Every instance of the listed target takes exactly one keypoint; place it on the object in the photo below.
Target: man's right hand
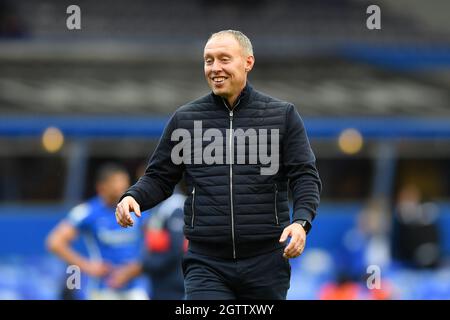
(96, 268)
(125, 206)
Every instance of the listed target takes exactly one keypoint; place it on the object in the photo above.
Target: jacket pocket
(193, 208)
(277, 221)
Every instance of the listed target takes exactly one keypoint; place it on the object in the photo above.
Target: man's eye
(208, 61)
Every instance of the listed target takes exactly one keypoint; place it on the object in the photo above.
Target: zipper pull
(231, 113)
(193, 207)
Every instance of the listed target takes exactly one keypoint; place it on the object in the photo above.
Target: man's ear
(249, 62)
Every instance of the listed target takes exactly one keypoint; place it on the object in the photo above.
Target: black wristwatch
(305, 224)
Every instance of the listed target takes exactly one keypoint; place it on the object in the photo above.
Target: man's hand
(96, 268)
(298, 240)
(123, 216)
(120, 276)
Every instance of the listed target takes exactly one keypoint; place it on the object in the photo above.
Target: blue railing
(152, 127)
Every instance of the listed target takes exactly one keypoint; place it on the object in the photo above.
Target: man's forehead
(222, 43)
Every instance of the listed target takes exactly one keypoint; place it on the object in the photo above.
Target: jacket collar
(240, 101)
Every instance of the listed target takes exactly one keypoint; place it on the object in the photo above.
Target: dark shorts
(265, 276)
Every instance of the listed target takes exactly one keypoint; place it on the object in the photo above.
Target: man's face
(113, 187)
(226, 66)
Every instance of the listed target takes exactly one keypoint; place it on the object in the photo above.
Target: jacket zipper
(276, 205)
(231, 183)
(193, 207)
(231, 175)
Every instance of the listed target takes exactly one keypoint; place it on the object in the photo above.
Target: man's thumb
(284, 235)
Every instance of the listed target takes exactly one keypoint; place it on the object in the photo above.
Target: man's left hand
(298, 240)
(122, 275)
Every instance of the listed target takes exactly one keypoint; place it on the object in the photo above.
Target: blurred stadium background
(376, 104)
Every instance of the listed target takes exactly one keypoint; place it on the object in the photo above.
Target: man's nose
(216, 67)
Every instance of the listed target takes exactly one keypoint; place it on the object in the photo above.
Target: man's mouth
(218, 80)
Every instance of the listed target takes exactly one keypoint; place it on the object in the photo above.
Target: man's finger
(295, 254)
(293, 246)
(129, 220)
(122, 222)
(288, 255)
(136, 209)
(291, 252)
(125, 216)
(123, 219)
(302, 245)
(118, 217)
(289, 247)
(120, 211)
(293, 243)
(299, 250)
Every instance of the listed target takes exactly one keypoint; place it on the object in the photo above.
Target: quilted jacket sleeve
(300, 165)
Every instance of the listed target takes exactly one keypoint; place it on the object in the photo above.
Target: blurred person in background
(166, 244)
(114, 252)
(11, 26)
(416, 238)
(366, 244)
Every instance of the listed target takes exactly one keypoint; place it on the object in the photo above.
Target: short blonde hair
(241, 38)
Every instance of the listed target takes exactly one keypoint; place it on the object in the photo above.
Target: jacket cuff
(134, 194)
(302, 214)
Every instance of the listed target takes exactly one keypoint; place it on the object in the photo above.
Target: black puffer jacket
(234, 211)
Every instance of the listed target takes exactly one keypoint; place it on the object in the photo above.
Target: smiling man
(236, 219)
(228, 58)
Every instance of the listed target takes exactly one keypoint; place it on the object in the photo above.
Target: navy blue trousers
(265, 276)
